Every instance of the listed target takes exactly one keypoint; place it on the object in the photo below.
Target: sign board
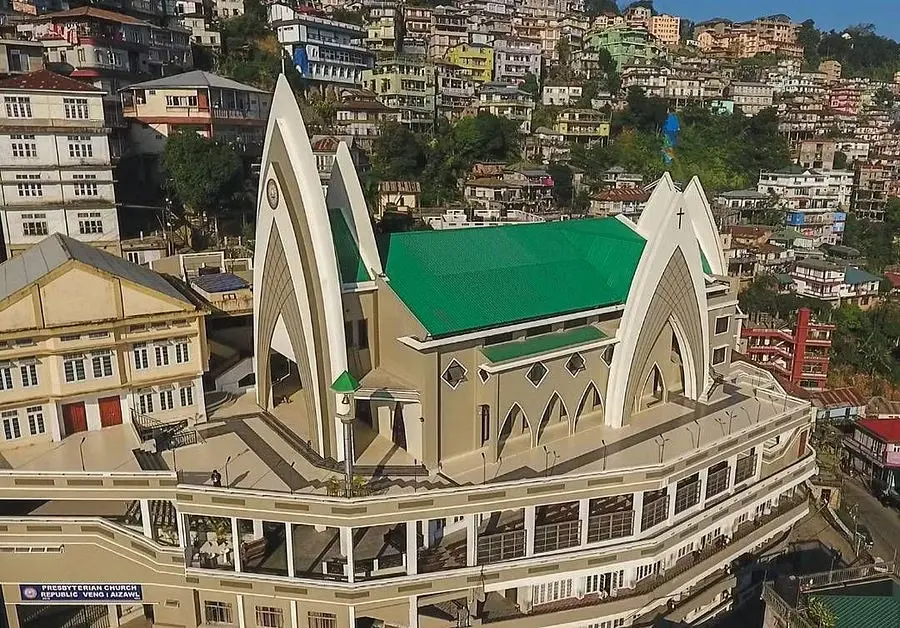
(84, 593)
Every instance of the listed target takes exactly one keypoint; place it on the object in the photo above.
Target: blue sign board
(84, 593)
(796, 218)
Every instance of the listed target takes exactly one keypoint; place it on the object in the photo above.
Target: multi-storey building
(514, 59)
(196, 16)
(448, 29)
(870, 196)
(227, 8)
(55, 169)
(364, 119)
(211, 105)
(845, 99)
(416, 28)
(873, 451)
(19, 56)
(624, 45)
(800, 355)
(384, 28)
(832, 70)
(650, 77)
(583, 125)
(665, 28)
(560, 93)
(506, 101)
(406, 84)
(601, 457)
(751, 97)
(477, 58)
(835, 284)
(455, 90)
(327, 52)
(628, 201)
(91, 341)
(816, 201)
(817, 154)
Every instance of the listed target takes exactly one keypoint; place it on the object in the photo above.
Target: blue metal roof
(220, 282)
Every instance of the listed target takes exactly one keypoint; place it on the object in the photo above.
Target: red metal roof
(628, 193)
(838, 397)
(49, 81)
(100, 14)
(886, 429)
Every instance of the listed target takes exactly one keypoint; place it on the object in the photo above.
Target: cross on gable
(680, 215)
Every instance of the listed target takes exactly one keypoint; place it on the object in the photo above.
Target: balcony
(745, 468)
(656, 509)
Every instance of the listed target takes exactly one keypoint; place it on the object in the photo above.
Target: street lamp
(345, 387)
(227, 460)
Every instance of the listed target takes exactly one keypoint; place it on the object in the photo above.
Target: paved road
(883, 522)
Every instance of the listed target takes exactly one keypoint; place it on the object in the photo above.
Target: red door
(110, 411)
(74, 417)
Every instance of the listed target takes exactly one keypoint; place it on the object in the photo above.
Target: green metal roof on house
(783, 279)
(350, 263)
(855, 276)
(863, 611)
(457, 280)
(542, 344)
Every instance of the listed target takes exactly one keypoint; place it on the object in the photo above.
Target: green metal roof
(856, 276)
(457, 280)
(863, 611)
(350, 263)
(705, 262)
(542, 344)
(345, 383)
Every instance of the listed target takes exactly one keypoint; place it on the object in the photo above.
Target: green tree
(204, 173)
(564, 53)
(563, 191)
(808, 36)
(601, 7)
(531, 85)
(397, 153)
(840, 160)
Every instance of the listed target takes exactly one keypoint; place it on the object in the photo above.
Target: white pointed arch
(689, 376)
(345, 193)
(669, 240)
(515, 411)
(587, 396)
(700, 213)
(651, 372)
(293, 233)
(546, 419)
(658, 206)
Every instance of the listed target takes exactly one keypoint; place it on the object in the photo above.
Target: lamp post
(345, 387)
(227, 460)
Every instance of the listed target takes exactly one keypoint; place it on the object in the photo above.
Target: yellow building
(583, 124)
(475, 57)
(90, 341)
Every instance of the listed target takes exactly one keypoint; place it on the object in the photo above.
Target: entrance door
(74, 417)
(110, 411)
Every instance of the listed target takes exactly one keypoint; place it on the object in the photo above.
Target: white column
(257, 528)
(584, 515)
(413, 611)
(55, 421)
(295, 622)
(426, 533)
(529, 530)
(471, 540)
(351, 615)
(242, 623)
(289, 548)
(145, 518)
(347, 551)
(638, 511)
(412, 548)
(670, 509)
(183, 540)
(236, 544)
(113, 611)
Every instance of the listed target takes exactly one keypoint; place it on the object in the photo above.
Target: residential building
(55, 163)
(226, 8)
(477, 58)
(455, 90)
(835, 284)
(871, 189)
(19, 56)
(422, 353)
(583, 125)
(845, 99)
(751, 97)
(665, 28)
(816, 201)
(817, 154)
(449, 28)
(560, 94)
(398, 196)
(873, 451)
(211, 105)
(752, 250)
(326, 52)
(196, 17)
(832, 70)
(416, 28)
(384, 27)
(325, 148)
(506, 101)
(406, 84)
(514, 59)
(838, 405)
(91, 341)
(800, 354)
(618, 177)
(650, 77)
(628, 201)
(625, 45)
(363, 118)
(479, 217)
(741, 207)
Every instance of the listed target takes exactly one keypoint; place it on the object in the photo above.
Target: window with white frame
(80, 146)
(608, 581)
(187, 396)
(162, 355)
(139, 352)
(90, 222)
(722, 324)
(6, 382)
(73, 367)
(11, 428)
(182, 353)
(269, 617)
(34, 224)
(552, 591)
(101, 364)
(86, 185)
(166, 400)
(29, 185)
(17, 106)
(719, 355)
(29, 375)
(76, 108)
(23, 146)
(35, 416)
(145, 402)
(317, 619)
(217, 612)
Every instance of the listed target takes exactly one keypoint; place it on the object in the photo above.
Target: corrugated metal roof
(57, 249)
(46, 80)
(195, 78)
(457, 280)
(863, 611)
(542, 344)
(220, 282)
